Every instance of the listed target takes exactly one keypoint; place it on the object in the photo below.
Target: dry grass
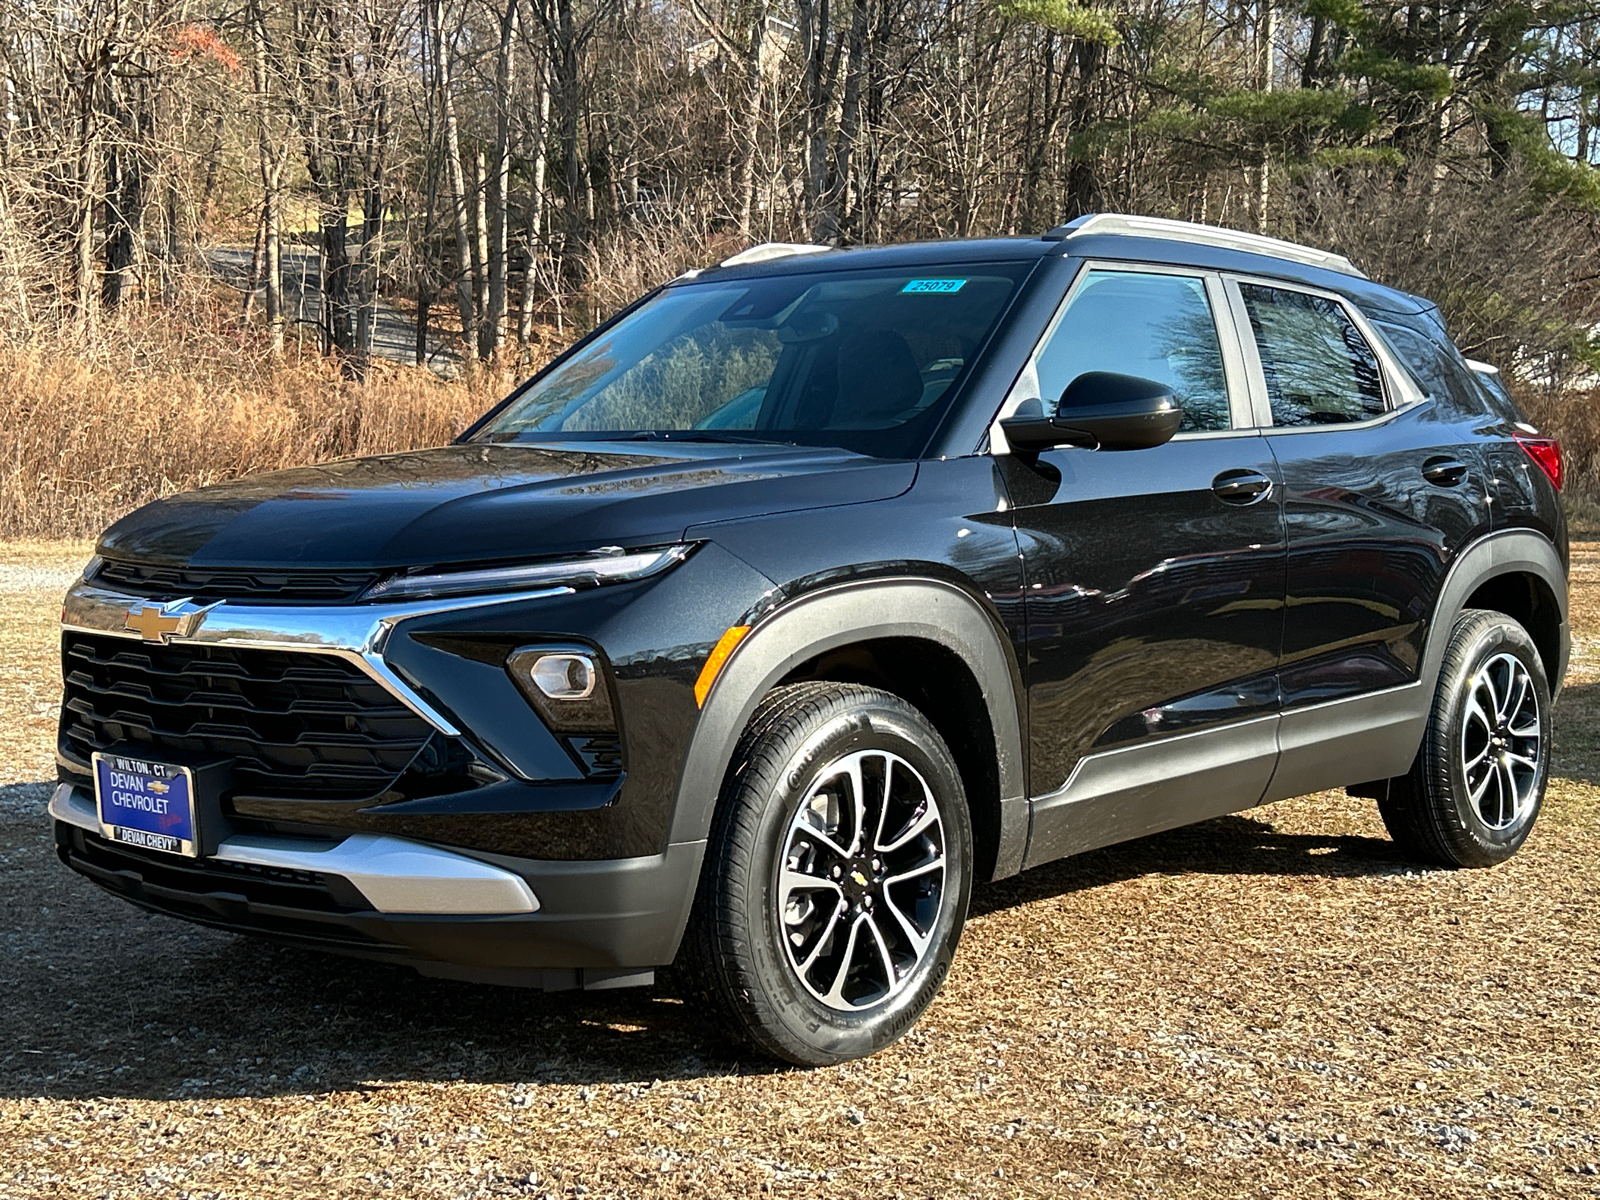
(87, 436)
(1264, 1004)
(33, 577)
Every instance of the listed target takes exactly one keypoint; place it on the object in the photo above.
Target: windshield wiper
(638, 435)
(719, 435)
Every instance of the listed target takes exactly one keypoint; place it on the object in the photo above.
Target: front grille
(194, 877)
(296, 725)
(322, 910)
(227, 583)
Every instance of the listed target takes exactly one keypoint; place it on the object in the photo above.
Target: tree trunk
(1084, 192)
(491, 329)
(836, 194)
(1312, 71)
(1268, 32)
(124, 217)
(466, 301)
(753, 95)
(535, 215)
(814, 36)
(271, 162)
(371, 263)
(88, 197)
(570, 102)
(1042, 140)
(274, 263)
(124, 203)
(480, 240)
(258, 262)
(337, 307)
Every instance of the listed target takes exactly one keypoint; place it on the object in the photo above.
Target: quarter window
(1155, 326)
(1319, 369)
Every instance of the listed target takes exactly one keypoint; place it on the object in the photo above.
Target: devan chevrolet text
(815, 588)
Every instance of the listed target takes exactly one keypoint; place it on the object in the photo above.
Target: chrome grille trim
(356, 633)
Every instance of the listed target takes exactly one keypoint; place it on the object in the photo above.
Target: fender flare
(824, 620)
(1504, 552)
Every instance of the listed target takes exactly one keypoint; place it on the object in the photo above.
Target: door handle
(1444, 470)
(1241, 486)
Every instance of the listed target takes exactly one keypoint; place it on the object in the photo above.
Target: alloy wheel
(1501, 741)
(862, 880)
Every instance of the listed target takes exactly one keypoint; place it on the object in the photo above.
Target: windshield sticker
(942, 286)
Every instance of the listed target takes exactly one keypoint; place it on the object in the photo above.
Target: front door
(1154, 579)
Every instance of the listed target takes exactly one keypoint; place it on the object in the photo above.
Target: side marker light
(719, 655)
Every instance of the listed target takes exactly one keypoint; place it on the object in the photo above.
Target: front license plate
(146, 804)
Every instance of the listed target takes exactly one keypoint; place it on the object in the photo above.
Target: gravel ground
(1264, 1003)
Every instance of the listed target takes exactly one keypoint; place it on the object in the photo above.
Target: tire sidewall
(1482, 841)
(831, 1034)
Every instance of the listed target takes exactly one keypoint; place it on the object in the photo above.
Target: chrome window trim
(356, 633)
(1400, 393)
(1228, 340)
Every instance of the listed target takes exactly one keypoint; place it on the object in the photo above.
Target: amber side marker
(719, 655)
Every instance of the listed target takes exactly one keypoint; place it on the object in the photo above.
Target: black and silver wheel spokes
(862, 879)
(1501, 742)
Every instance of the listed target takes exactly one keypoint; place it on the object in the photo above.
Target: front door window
(1155, 326)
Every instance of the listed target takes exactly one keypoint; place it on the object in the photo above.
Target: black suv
(815, 588)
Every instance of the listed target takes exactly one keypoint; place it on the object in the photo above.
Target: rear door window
(1318, 368)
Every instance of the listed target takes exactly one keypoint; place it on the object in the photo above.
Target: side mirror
(1099, 410)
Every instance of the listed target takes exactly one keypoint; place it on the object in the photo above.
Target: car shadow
(156, 1008)
(1236, 845)
(248, 1017)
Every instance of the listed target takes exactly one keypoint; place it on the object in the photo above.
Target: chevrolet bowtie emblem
(161, 622)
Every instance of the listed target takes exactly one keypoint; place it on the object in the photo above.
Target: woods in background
(517, 167)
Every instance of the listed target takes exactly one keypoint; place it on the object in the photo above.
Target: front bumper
(485, 918)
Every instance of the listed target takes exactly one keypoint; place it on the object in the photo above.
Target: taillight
(1544, 451)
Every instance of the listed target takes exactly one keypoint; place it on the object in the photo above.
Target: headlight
(603, 566)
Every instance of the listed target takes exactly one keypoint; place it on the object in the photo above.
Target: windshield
(863, 360)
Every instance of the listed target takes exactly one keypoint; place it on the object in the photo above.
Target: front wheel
(1471, 798)
(837, 874)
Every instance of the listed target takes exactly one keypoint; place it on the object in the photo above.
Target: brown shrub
(1574, 417)
(179, 401)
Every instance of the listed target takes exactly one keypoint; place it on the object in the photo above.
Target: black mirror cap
(1100, 410)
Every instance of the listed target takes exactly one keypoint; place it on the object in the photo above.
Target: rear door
(1154, 579)
(1379, 494)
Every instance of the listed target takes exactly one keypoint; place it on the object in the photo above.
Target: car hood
(479, 503)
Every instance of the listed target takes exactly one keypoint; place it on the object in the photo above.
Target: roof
(780, 258)
(1110, 236)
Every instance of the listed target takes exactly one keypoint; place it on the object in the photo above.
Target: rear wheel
(1472, 796)
(837, 874)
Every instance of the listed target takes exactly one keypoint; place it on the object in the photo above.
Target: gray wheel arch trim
(1504, 552)
(817, 622)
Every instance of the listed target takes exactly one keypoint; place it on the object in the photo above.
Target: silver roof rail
(767, 251)
(1205, 235)
(1482, 368)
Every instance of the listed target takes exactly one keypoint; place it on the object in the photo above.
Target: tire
(768, 946)
(1475, 790)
